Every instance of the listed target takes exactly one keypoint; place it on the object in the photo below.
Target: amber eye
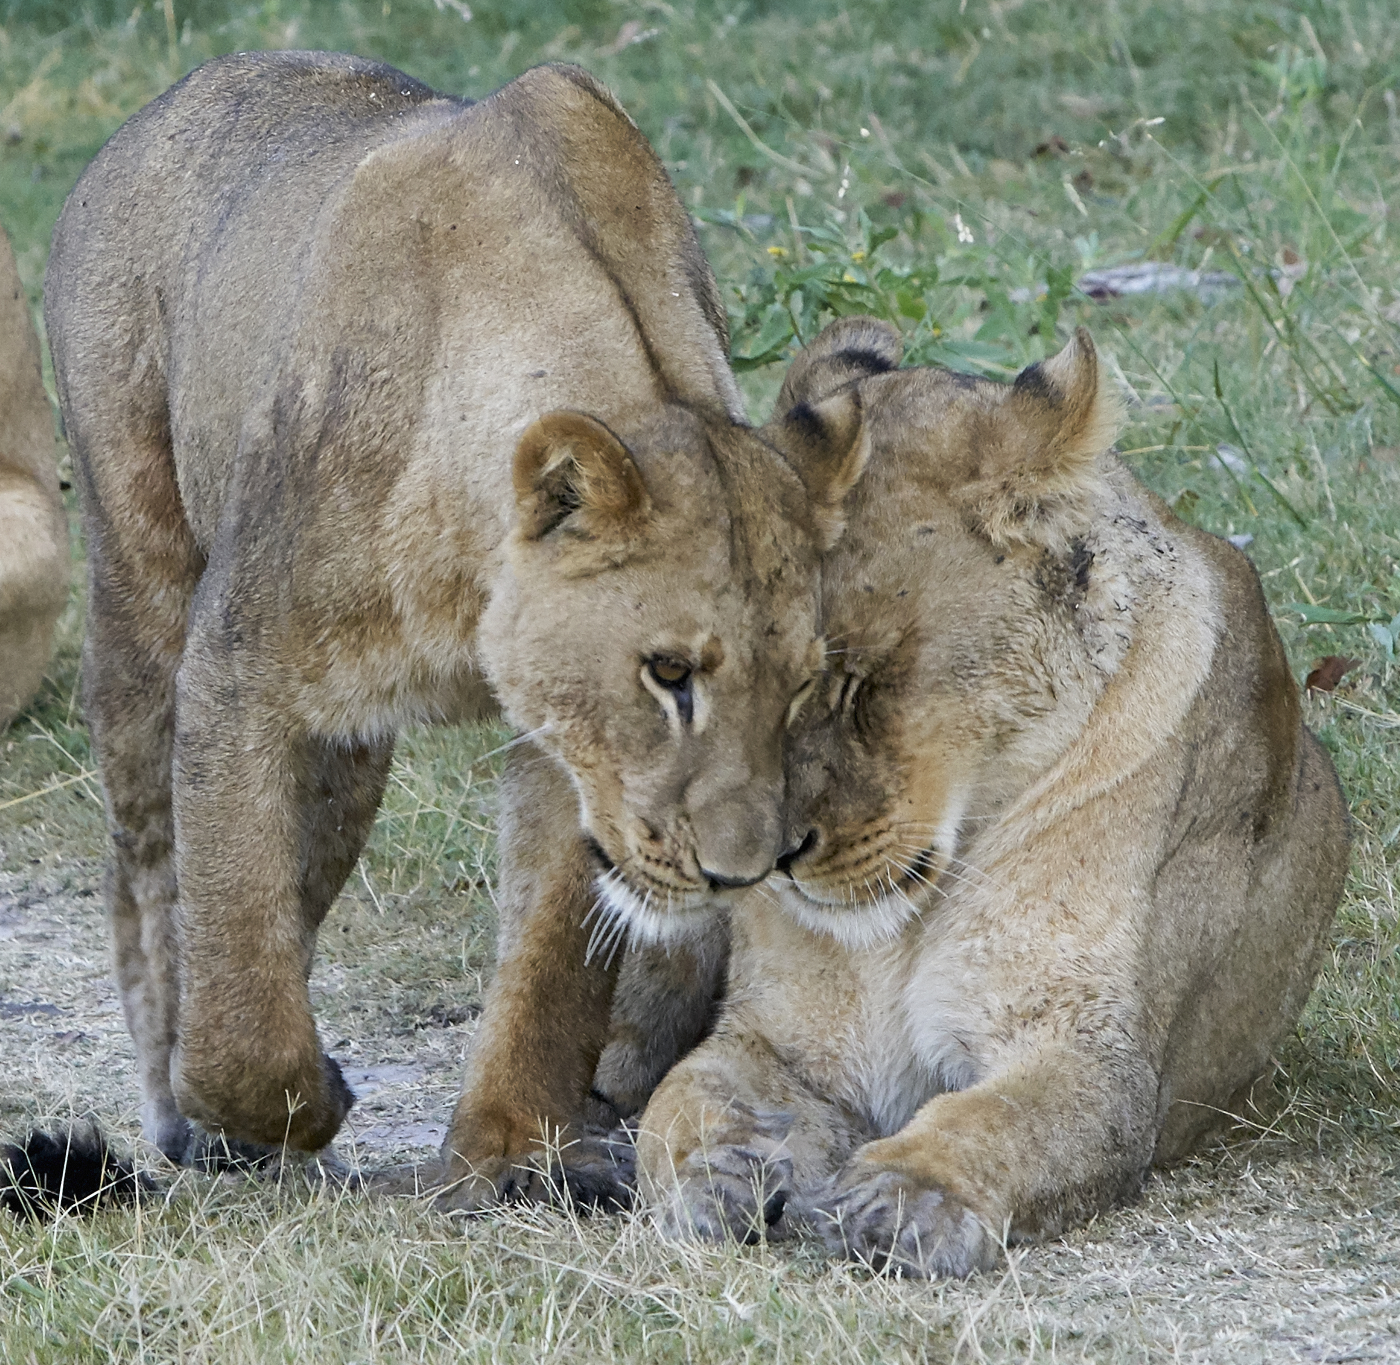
(674, 676)
(669, 672)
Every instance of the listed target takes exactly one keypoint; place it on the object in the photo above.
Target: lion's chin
(854, 923)
(644, 918)
(856, 915)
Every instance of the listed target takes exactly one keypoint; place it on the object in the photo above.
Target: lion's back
(1261, 812)
(257, 140)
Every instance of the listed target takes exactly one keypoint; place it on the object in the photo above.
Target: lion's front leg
(517, 1131)
(1020, 1156)
(664, 1005)
(248, 1063)
(710, 1164)
(732, 1138)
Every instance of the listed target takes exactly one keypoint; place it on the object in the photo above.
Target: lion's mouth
(640, 911)
(871, 884)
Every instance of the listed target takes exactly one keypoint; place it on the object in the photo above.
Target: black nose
(718, 883)
(786, 860)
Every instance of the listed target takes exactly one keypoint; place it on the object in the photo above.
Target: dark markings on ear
(1032, 383)
(846, 350)
(809, 424)
(865, 361)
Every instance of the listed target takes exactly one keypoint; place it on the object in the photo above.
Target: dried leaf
(1329, 671)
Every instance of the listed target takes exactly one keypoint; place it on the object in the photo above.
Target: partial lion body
(309, 321)
(33, 523)
(1073, 856)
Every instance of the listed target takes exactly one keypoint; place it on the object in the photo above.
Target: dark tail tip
(72, 1171)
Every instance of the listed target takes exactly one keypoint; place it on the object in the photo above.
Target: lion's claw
(729, 1191)
(891, 1223)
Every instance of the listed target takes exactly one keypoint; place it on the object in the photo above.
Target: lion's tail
(71, 1171)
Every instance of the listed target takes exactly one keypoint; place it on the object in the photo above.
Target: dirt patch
(61, 1027)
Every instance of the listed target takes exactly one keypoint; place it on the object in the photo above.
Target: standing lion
(33, 523)
(387, 407)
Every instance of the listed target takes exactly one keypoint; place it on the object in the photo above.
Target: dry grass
(1283, 1244)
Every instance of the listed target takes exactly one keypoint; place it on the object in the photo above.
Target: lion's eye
(669, 673)
(674, 677)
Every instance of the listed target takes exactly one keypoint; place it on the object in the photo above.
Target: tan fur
(384, 406)
(1069, 854)
(33, 523)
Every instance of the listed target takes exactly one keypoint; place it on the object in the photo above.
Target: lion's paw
(891, 1223)
(733, 1190)
(599, 1171)
(218, 1154)
(594, 1173)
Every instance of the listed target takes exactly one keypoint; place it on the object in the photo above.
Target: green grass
(956, 168)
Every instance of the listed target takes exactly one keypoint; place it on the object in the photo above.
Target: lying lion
(33, 523)
(1068, 855)
(383, 406)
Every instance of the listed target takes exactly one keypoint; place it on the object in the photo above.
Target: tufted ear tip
(1066, 401)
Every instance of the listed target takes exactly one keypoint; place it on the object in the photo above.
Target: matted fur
(33, 523)
(1068, 854)
(386, 406)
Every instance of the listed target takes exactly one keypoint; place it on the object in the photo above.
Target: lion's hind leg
(344, 783)
(143, 565)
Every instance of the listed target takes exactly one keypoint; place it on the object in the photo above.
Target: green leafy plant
(958, 302)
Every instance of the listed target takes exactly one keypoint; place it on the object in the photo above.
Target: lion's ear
(845, 350)
(569, 462)
(828, 444)
(819, 422)
(1036, 473)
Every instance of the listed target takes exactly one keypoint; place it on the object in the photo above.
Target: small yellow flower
(848, 278)
(857, 256)
(777, 251)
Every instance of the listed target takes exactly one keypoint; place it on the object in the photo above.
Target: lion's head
(657, 632)
(969, 628)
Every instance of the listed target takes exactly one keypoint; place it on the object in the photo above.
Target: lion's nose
(786, 860)
(718, 883)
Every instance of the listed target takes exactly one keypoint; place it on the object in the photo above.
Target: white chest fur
(881, 1029)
